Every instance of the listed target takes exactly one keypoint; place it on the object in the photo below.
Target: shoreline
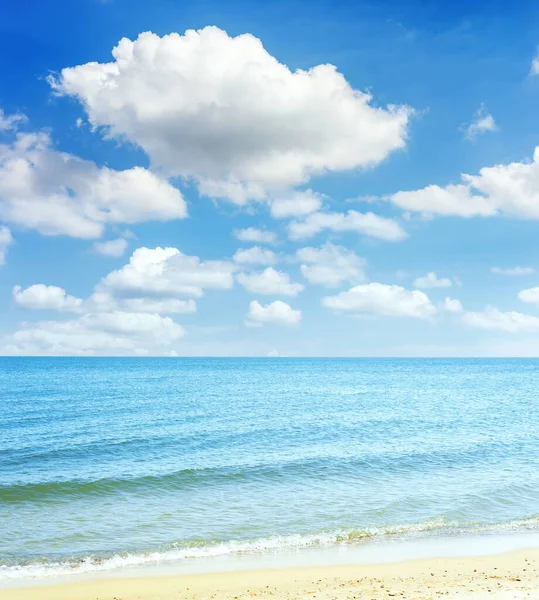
(501, 576)
(379, 551)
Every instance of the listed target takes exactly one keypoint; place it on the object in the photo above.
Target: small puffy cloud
(510, 190)
(252, 234)
(494, 319)
(114, 333)
(270, 282)
(531, 295)
(279, 313)
(296, 204)
(450, 201)
(57, 193)
(274, 353)
(431, 280)
(378, 299)
(46, 297)
(331, 265)
(452, 305)
(483, 122)
(10, 122)
(167, 272)
(6, 239)
(367, 224)
(222, 111)
(513, 272)
(255, 256)
(114, 248)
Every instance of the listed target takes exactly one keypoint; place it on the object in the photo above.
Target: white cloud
(531, 295)
(274, 353)
(103, 301)
(10, 122)
(331, 265)
(367, 224)
(124, 313)
(483, 122)
(277, 312)
(115, 333)
(166, 306)
(514, 272)
(453, 200)
(382, 300)
(6, 239)
(510, 190)
(57, 193)
(252, 234)
(452, 305)
(270, 282)
(534, 69)
(430, 280)
(46, 297)
(510, 322)
(296, 204)
(222, 111)
(255, 256)
(166, 272)
(115, 247)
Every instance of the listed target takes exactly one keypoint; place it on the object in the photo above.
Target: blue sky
(215, 188)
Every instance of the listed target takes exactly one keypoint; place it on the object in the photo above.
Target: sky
(269, 179)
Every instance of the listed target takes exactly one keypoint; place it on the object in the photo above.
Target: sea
(107, 463)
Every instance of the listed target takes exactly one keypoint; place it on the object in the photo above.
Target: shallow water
(111, 462)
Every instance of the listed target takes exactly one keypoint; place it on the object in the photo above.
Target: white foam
(43, 569)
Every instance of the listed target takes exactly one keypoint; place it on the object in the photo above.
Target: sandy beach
(506, 576)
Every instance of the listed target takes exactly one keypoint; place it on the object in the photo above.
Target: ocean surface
(112, 462)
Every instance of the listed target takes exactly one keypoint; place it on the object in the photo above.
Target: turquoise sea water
(110, 462)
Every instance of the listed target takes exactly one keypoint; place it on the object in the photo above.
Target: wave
(374, 465)
(41, 567)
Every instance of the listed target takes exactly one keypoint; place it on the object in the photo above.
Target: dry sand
(514, 575)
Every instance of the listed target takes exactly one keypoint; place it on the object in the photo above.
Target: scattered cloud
(165, 306)
(513, 272)
(222, 111)
(296, 204)
(10, 122)
(6, 239)
(452, 305)
(57, 193)
(270, 282)
(367, 224)
(331, 265)
(114, 333)
(114, 248)
(531, 295)
(495, 319)
(534, 68)
(167, 272)
(255, 256)
(252, 234)
(279, 313)
(274, 353)
(482, 123)
(509, 190)
(124, 314)
(46, 297)
(378, 299)
(431, 280)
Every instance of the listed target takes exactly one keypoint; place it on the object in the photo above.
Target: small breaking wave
(38, 568)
